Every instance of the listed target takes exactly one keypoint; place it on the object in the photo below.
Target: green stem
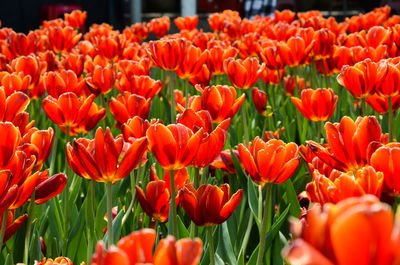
(29, 227)
(390, 120)
(54, 151)
(3, 228)
(109, 213)
(211, 245)
(312, 73)
(66, 196)
(186, 88)
(194, 230)
(104, 105)
(247, 235)
(264, 227)
(319, 131)
(134, 182)
(246, 129)
(172, 207)
(90, 222)
(364, 111)
(325, 74)
(171, 90)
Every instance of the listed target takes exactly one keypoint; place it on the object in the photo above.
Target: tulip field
(264, 141)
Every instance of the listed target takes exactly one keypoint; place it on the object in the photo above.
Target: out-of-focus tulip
(12, 225)
(271, 58)
(49, 187)
(101, 80)
(9, 141)
(168, 54)
(129, 105)
(323, 45)
(209, 205)
(160, 26)
(12, 107)
(361, 78)
(74, 62)
(15, 82)
(105, 159)
(268, 135)
(385, 159)
(224, 161)
(62, 40)
(19, 44)
(339, 186)
(260, 101)
(243, 74)
(290, 84)
(112, 47)
(186, 23)
(316, 105)
(76, 18)
(348, 142)
(202, 78)
(181, 177)
(269, 162)
(68, 110)
(137, 248)
(284, 15)
(56, 261)
(174, 146)
(344, 233)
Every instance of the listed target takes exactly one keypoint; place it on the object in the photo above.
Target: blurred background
(25, 15)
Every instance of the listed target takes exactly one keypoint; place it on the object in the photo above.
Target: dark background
(25, 15)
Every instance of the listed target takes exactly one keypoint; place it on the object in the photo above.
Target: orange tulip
(243, 74)
(381, 104)
(290, 84)
(388, 85)
(29, 65)
(271, 58)
(181, 177)
(76, 18)
(269, 162)
(101, 80)
(38, 143)
(141, 85)
(130, 68)
(9, 142)
(160, 26)
(174, 146)
(13, 106)
(19, 44)
(74, 62)
(135, 128)
(202, 78)
(196, 120)
(111, 47)
(361, 78)
(348, 143)
(384, 160)
(344, 233)
(221, 102)
(56, 261)
(129, 105)
(105, 159)
(93, 117)
(217, 56)
(49, 187)
(155, 203)
(15, 82)
(316, 105)
(62, 40)
(224, 161)
(68, 110)
(137, 248)
(167, 54)
(294, 52)
(57, 83)
(12, 225)
(339, 186)
(186, 23)
(209, 205)
(323, 45)
(192, 62)
(260, 101)
(284, 15)
(268, 135)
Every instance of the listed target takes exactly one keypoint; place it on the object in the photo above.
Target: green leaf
(182, 230)
(275, 228)
(225, 250)
(253, 200)
(292, 198)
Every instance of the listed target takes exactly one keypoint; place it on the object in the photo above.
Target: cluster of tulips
(158, 168)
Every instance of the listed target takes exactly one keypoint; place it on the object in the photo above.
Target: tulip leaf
(75, 237)
(291, 197)
(116, 224)
(253, 200)
(277, 247)
(225, 249)
(253, 257)
(276, 227)
(182, 230)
